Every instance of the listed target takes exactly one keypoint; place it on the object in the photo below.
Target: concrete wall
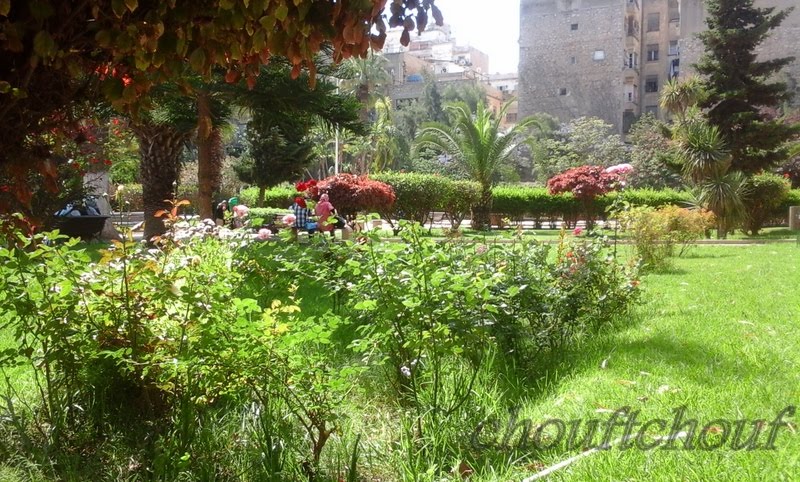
(558, 72)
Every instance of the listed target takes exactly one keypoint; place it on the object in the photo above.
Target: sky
(492, 27)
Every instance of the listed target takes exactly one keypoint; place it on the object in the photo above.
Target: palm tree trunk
(481, 212)
(209, 157)
(160, 149)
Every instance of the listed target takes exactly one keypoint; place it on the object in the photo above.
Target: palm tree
(366, 78)
(479, 144)
(162, 132)
(723, 194)
(702, 151)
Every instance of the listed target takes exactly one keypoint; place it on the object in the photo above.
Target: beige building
(436, 53)
(611, 58)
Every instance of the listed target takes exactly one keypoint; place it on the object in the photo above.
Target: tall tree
(479, 144)
(55, 53)
(162, 131)
(284, 111)
(738, 85)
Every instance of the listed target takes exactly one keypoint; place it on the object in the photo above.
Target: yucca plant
(702, 151)
(722, 193)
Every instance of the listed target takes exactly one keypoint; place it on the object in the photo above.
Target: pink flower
(577, 231)
(289, 219)
(264, 233)
(240, 210)
(619, 169)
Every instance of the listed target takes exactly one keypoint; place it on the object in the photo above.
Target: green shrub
(764, 194)
(657, 232)
(418, 195)
(276, 197)
(513, 202)
(458, 200)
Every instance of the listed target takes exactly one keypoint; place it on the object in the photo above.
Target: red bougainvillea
(585, 182)
(351, 194)
(309, 187)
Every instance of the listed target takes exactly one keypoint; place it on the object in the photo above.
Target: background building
(611, 58)
(436, 53)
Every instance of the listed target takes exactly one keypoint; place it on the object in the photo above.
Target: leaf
(119, 8)
(5, 7)
(132, 4)
(198, 59)
(5, 87)
(281, 12)
(43, 44)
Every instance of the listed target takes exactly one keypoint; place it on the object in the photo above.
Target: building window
(572, 60)
(673, 47)
(651, 83)
(562, 91)
(653, 22)
(674, 11)
(599, 55)
(574, 26)
(651, 109)
(652, 52)
(631, 61)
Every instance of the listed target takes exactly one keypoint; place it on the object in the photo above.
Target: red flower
(115, 121)
(5, 188)
(107, 162)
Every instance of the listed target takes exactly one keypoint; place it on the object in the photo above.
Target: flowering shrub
(586, 183)
(657, 232)
(422, 306)
(352, 194)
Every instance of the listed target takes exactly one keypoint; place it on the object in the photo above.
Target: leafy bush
(657, 232)
(764, 193)
(351, 194)
(458, 199)
(586, 183)
(417, 194)
(158, 344)
(279, 197)
(551, 301)
(422, 306)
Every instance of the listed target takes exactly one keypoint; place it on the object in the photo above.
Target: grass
(717, 334)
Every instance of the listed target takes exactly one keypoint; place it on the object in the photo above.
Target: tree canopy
(738, 85)
(55, 54)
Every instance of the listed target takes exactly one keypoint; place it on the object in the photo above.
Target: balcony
(632, 6)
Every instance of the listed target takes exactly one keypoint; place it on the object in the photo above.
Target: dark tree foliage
(284, 111)
(738, 85)
(54, 54)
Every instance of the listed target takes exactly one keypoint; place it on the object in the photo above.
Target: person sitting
(302, 216)
(324, 210)
(219, 212)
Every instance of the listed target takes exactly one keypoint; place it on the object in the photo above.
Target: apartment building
(611, 58)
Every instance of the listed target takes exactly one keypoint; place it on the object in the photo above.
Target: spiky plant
(479, 144)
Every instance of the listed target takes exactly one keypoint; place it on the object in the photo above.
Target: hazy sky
(492, 27)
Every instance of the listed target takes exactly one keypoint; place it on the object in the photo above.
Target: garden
(539, 300)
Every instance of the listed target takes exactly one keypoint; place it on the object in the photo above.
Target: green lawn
(720, 334)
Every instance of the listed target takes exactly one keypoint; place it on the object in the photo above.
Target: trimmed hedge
(457, 197)
(280, 197)
(418, 195)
